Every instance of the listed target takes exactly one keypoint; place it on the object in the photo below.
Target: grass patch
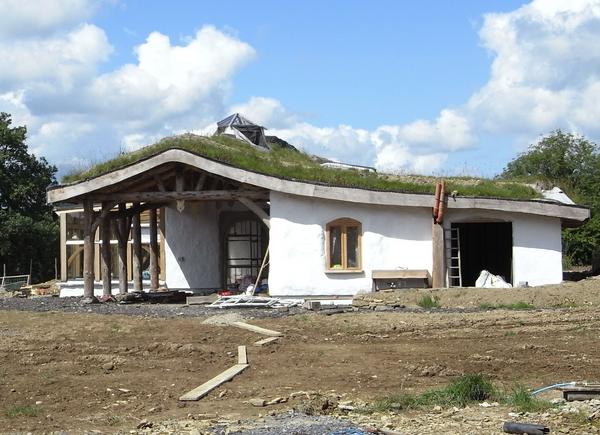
(516, 306)
(462, 391)
(429, 302)
(289, 164)
(115, 327)
(520, 399)
(23, 411)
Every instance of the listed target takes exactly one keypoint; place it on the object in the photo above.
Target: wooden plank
(257, 329)
(257, 210)
(399, 274)
(191, 195)
(266, 341)
(201, 391)
(201, 300)
(153, 225)
(137, 253)
(437, 239)
(105, 258)
(242, 355)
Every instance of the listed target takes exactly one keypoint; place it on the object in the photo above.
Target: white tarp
(489, 280)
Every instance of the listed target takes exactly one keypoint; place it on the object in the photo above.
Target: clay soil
(86, 371)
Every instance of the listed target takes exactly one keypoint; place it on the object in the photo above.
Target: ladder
(453, 267)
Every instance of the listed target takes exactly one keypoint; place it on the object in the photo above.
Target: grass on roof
(298, 166)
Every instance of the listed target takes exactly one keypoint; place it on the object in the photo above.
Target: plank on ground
(266, 341)
(201, 391)
(257, 329)
(242, 355)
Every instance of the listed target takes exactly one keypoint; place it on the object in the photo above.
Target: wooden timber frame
(121, 205)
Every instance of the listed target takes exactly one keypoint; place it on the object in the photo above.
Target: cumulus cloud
(545, 69)
(544, 75)
(39, 17)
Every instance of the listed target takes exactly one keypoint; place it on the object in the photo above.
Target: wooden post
(122, 226)
(437, 238)
(153, 249)
(63, 247)
(137, 252)
(88, 250)
(106, 252)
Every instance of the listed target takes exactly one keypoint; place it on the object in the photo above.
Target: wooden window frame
(344, 224)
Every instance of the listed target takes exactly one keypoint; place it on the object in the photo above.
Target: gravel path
(75, 305)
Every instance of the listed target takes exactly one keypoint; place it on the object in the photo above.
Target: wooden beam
(179, 186)
(257, 210)
(63, 247)
(256, 329)
(206, 195)
(106, 254)
(162, 257)
(153, 222)
(200, 182)
(437, 238)
(201, 391)
(88, 251)
(122, 228)
(137, 253)
(159, 183)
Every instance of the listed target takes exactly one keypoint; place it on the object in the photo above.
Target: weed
(23, 411)
(516, 306)
(459, 392)
(113, 420)
(522, 401)
(115, 327)
(429, 302)
(510, 333)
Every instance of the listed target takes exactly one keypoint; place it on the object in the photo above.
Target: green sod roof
(290, 164)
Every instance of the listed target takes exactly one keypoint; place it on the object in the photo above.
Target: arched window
(343, 237)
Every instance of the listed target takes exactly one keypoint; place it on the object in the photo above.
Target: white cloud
(545, 74)
(56, 63)
(546, 67)
(37, 17)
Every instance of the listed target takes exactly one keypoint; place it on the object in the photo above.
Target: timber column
(88, 250)
(437, 237)
(137, 250)
(153, 249)
(122, 227)
(106, 251)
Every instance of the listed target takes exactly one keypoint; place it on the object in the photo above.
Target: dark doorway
(485, 246)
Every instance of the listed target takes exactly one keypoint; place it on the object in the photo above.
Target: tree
(573, 163)
(28, 228)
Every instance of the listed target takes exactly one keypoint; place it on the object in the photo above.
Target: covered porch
(172, 224)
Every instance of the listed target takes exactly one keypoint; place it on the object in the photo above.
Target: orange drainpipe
(436, 204)
(440, 216)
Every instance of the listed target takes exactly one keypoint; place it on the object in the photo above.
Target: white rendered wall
(392, 238)
(192, 248)
(537, 245)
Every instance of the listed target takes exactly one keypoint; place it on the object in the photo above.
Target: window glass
(352, 246)
(335, 248)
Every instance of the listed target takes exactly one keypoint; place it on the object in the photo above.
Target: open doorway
(483, 246)
(245, 239)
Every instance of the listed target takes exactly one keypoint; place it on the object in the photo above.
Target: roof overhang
(69, 192)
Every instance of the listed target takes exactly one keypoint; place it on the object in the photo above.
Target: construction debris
(581, 392)
(525, 428)
(201, 391)
(244, 301)
(266, 341)
(257, 329)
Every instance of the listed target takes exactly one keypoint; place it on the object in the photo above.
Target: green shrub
(429, 302)
(521, 400)
(23, 411)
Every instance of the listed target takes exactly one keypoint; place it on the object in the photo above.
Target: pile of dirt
(568, 294)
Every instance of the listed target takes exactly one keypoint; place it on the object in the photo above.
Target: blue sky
(429, 87)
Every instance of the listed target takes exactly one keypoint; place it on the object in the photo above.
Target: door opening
(483, 246)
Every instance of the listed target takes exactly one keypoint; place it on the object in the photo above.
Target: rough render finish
(537, 244)
(192, 247)
(392, 237)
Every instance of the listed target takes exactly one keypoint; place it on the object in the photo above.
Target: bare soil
(107, 372)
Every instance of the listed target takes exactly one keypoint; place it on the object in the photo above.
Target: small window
(343, 245)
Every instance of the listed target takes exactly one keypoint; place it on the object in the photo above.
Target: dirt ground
(582, 293)
(107, 372)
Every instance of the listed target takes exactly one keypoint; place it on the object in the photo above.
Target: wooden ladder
(453, 268)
